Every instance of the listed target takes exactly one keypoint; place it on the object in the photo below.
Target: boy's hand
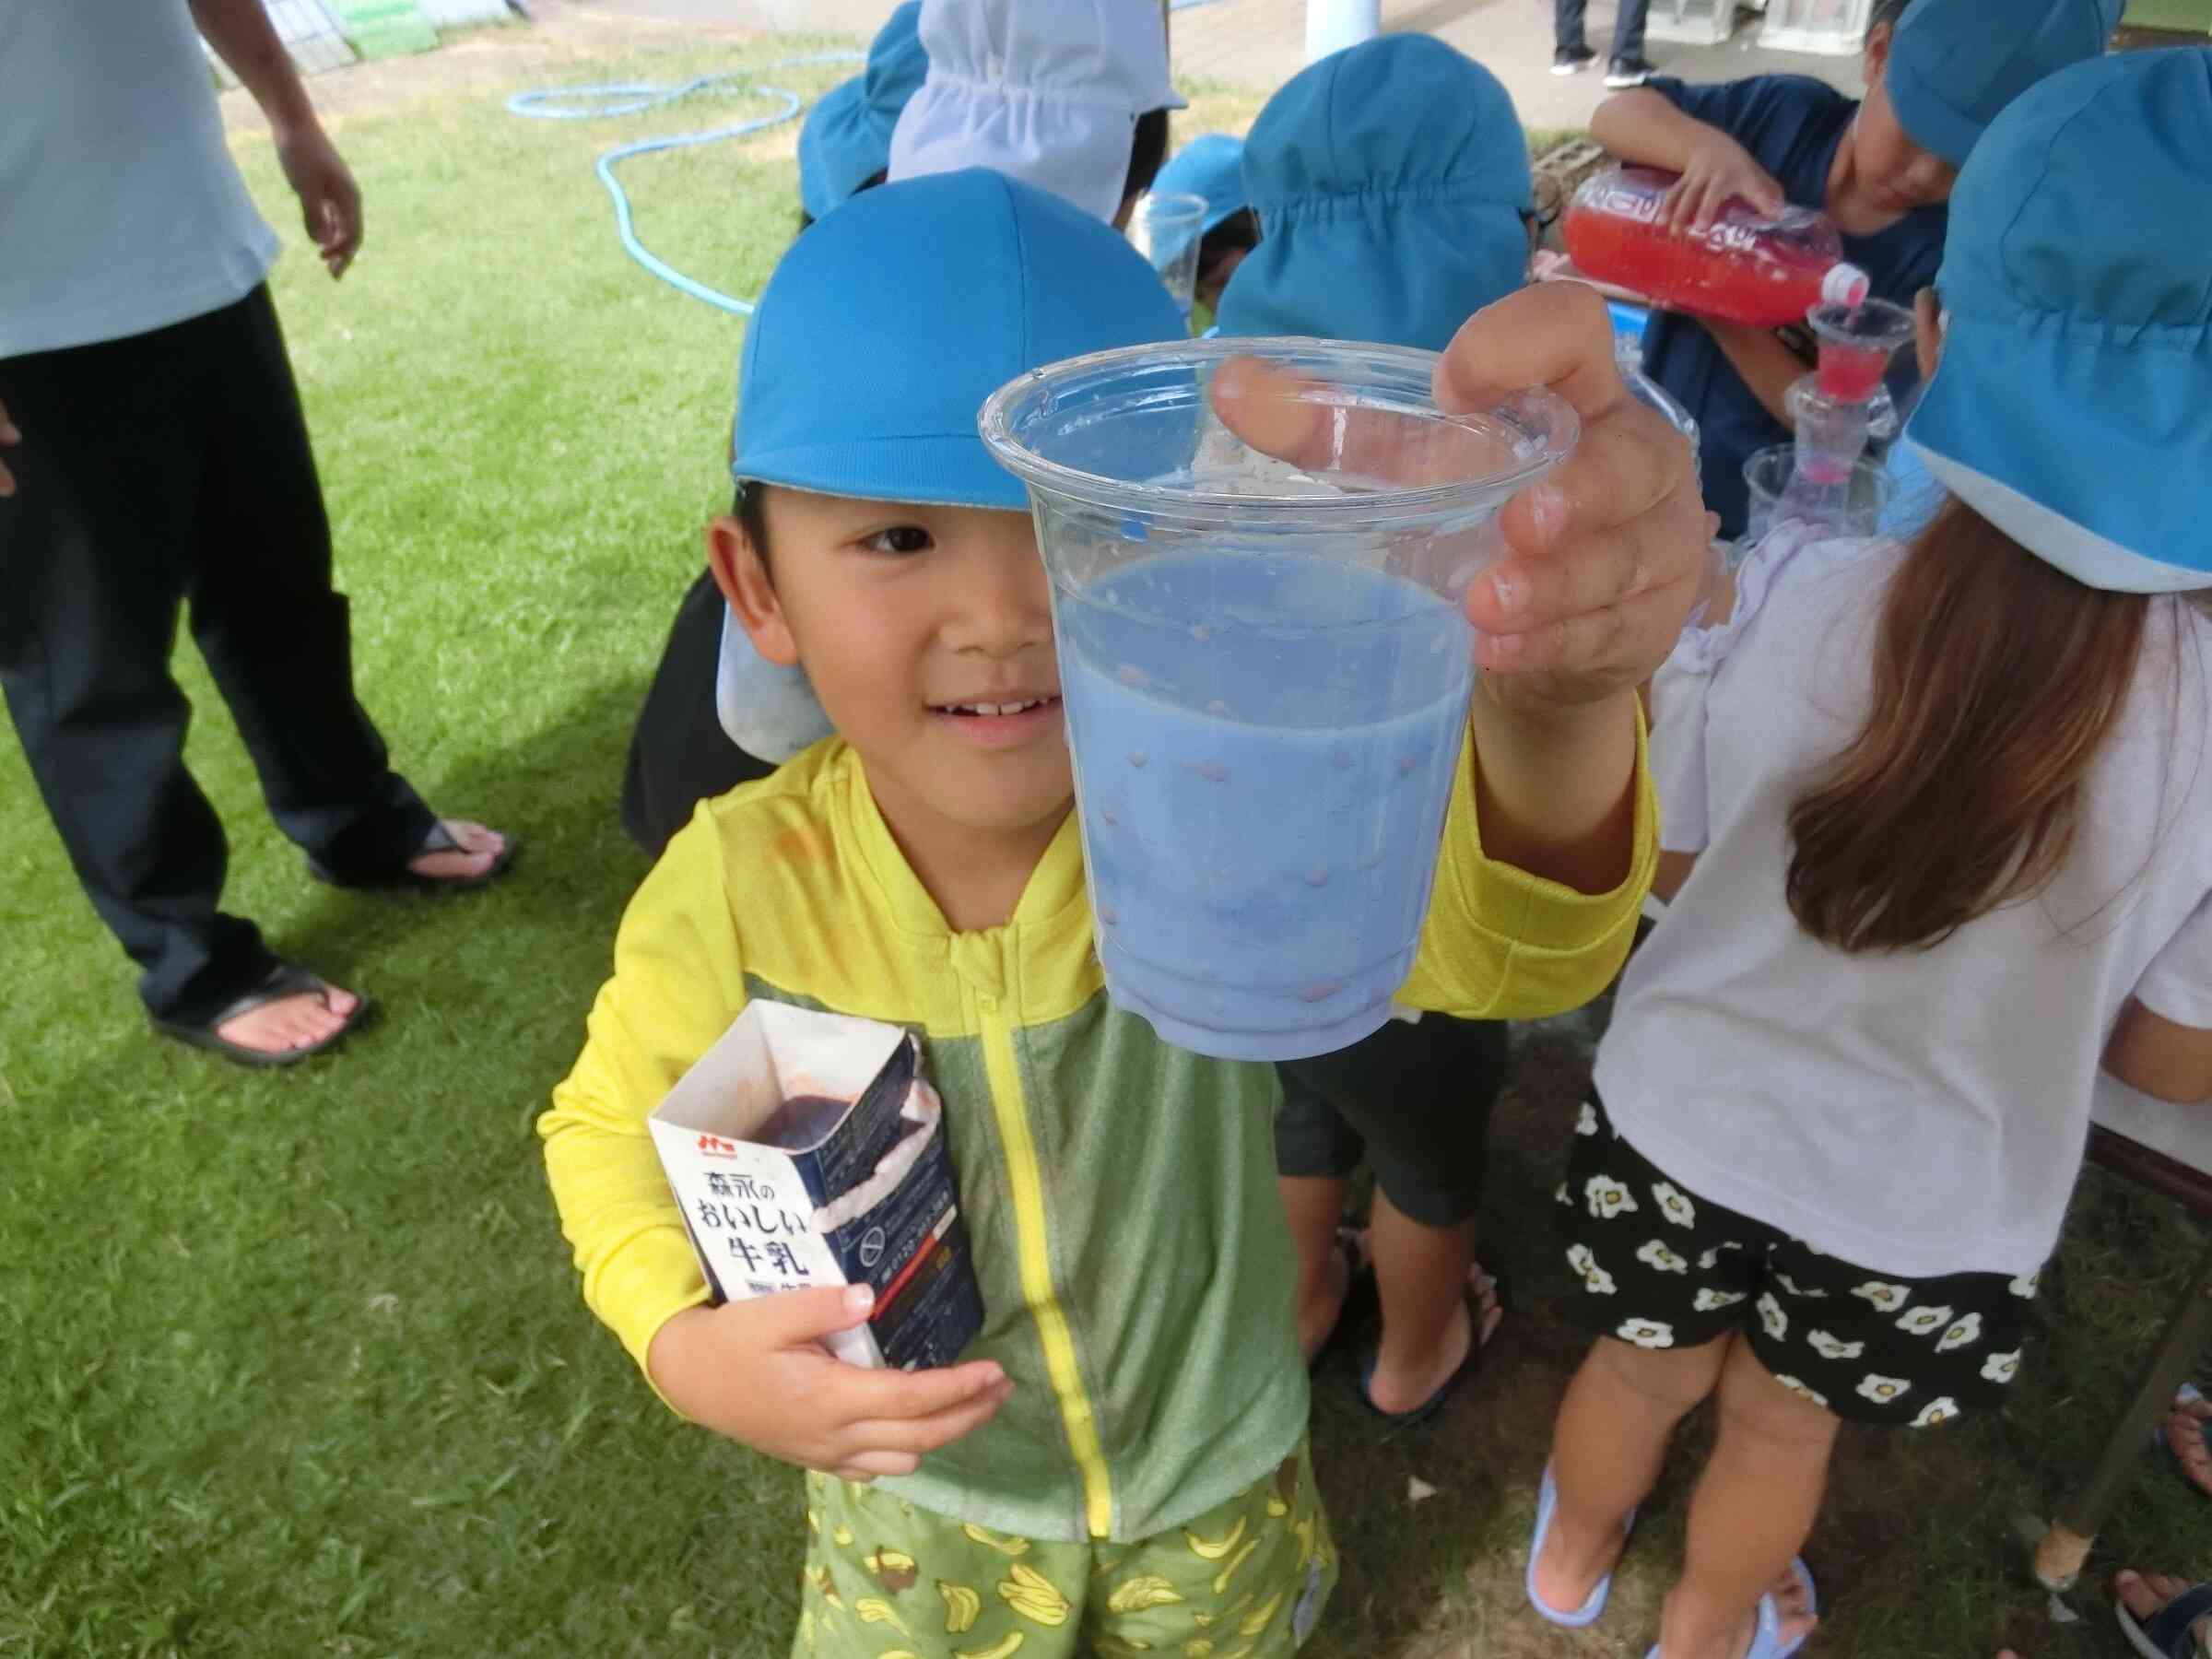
(756, 1370)
(1719, 170)
(330, 202)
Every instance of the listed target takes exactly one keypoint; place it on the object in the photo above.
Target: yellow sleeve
(1501, 944)
(678, 984)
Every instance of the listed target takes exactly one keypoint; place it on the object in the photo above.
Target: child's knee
(1673, 1379)
(1753, 1401)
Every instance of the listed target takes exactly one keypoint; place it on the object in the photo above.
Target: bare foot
(2146, 1595)
(2185, 1435)
(1402, 1387)
(1318, 1317)
(479, 848)
(1570, 1568)
(1792, 1607)
(291, 1022)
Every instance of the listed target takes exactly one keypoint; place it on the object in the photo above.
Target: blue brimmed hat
(2073, 405)
(1955, 63)
(1211, 168)
(846, 139)
(1390, 180)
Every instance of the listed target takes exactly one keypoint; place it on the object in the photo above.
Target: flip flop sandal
(2188, 1394)
(1594, 1605)
(2171, 1633)
(1360, 1300)
(440, 840)
(1481, 1326)
(285, 978)
(1766, 1640)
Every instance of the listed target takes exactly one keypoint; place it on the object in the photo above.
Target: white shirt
(120, 210)
(1917, 1113)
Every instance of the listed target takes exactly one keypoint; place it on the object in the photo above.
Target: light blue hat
(1211, 167)
(877, 340)
(1390, 180)
(2073, 405)
(846, 139)
(1955, 63)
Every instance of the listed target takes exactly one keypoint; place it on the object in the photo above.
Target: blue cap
(1955, 63)
(2073, 405)
(885, 326)
(1390, 180)
(1211, 167)
(846, 139)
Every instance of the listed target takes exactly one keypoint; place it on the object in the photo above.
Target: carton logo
(713, 1145)
(871, 1247)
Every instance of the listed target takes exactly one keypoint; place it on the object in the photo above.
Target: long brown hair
(1996, 680)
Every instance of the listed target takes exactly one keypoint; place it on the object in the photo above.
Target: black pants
(165, 470)
(679, 755)
(1628, 26)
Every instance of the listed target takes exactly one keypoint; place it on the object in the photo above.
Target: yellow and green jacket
(1120, 1193)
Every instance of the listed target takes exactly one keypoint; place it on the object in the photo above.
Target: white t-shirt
(1916, 1112)
(120, 210)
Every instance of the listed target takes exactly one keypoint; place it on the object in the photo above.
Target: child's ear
(743, 579)
(1878, 52)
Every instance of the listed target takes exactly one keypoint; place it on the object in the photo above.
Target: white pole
(1332, 25)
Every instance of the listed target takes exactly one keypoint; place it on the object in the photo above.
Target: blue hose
(633, 98)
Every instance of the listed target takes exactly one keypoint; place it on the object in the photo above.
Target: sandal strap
(285, 978)
(2170, 1629)
(440, 840)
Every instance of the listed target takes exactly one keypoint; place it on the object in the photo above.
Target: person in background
(1572, 53)
(1386, 219)
(163, 458)
(1946, 812)
(1937, 73)
(1072, 97)
(1212, 169)
(845, 141)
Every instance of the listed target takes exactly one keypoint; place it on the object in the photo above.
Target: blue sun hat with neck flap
(1953, 64)
(1212, 169)
(846, 139)
(1390, 180)
(2073, 405)
(877, 340)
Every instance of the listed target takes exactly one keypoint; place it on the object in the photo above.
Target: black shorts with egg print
(1662, 1269)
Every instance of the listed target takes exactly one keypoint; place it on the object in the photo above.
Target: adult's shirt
(1790, 125)
(120, 210)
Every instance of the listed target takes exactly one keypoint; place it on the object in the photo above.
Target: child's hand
(756, 1370)
(1719, 170)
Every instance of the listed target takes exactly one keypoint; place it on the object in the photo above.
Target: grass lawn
(295, 1365)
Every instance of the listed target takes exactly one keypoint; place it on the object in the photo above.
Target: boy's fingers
(1526, 591)
(1628, 462)
(1307, 424)
(869, 1395)
(920, 1434)
(1624, 641)
(1558, 334)
(791, 1318)
(863, 1467)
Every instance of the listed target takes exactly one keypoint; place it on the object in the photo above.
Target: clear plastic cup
(1266, 664)
(1852, 506)
(1164, 229)
(1856, 343)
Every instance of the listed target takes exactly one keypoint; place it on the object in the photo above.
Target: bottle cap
(1845, 285)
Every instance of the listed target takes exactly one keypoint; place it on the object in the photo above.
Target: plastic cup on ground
(1165, 229)
(1265, 663)
(1850, 505)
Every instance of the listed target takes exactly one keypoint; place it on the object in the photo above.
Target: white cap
(1845, 285)
(1047, 91)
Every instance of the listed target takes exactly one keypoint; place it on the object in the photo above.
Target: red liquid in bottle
(1741, 268)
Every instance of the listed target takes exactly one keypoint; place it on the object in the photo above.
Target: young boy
(1119, 1462)
(1937, 71)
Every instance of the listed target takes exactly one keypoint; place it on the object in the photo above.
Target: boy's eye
(899, 538)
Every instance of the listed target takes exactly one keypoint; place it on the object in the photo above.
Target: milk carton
(807, 1149)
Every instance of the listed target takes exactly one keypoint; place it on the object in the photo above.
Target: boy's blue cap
(846, 139)
(885, 326)
(2073, 405)
(1955, 63)
(1211, 167)
(1390, 180)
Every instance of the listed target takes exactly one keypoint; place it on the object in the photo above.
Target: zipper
(1011, 1109)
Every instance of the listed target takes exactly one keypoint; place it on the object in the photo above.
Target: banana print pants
(887, 1581)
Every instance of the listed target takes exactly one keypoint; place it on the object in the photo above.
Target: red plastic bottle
(1742, 267)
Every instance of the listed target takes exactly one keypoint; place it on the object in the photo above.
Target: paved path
(1261, 43)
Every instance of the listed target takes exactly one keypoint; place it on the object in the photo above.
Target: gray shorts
(1413, 1101)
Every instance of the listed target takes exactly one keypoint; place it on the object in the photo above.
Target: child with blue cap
(1937, 73)
(1118, 1461)
(845, 143)
(1942, 806)
(1212, 169)
(1392, 183)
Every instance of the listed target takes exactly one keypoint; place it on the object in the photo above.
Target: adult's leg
(1752, 1511)
(1628, 28)
(93, 559)
(1567, 23)
(1606, 1450)
(275, 633)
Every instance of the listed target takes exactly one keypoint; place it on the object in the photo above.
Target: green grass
(294, 1365)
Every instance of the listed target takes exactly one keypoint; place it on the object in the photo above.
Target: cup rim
(1552, 416)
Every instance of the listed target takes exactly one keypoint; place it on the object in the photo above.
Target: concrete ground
(1261, 43)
